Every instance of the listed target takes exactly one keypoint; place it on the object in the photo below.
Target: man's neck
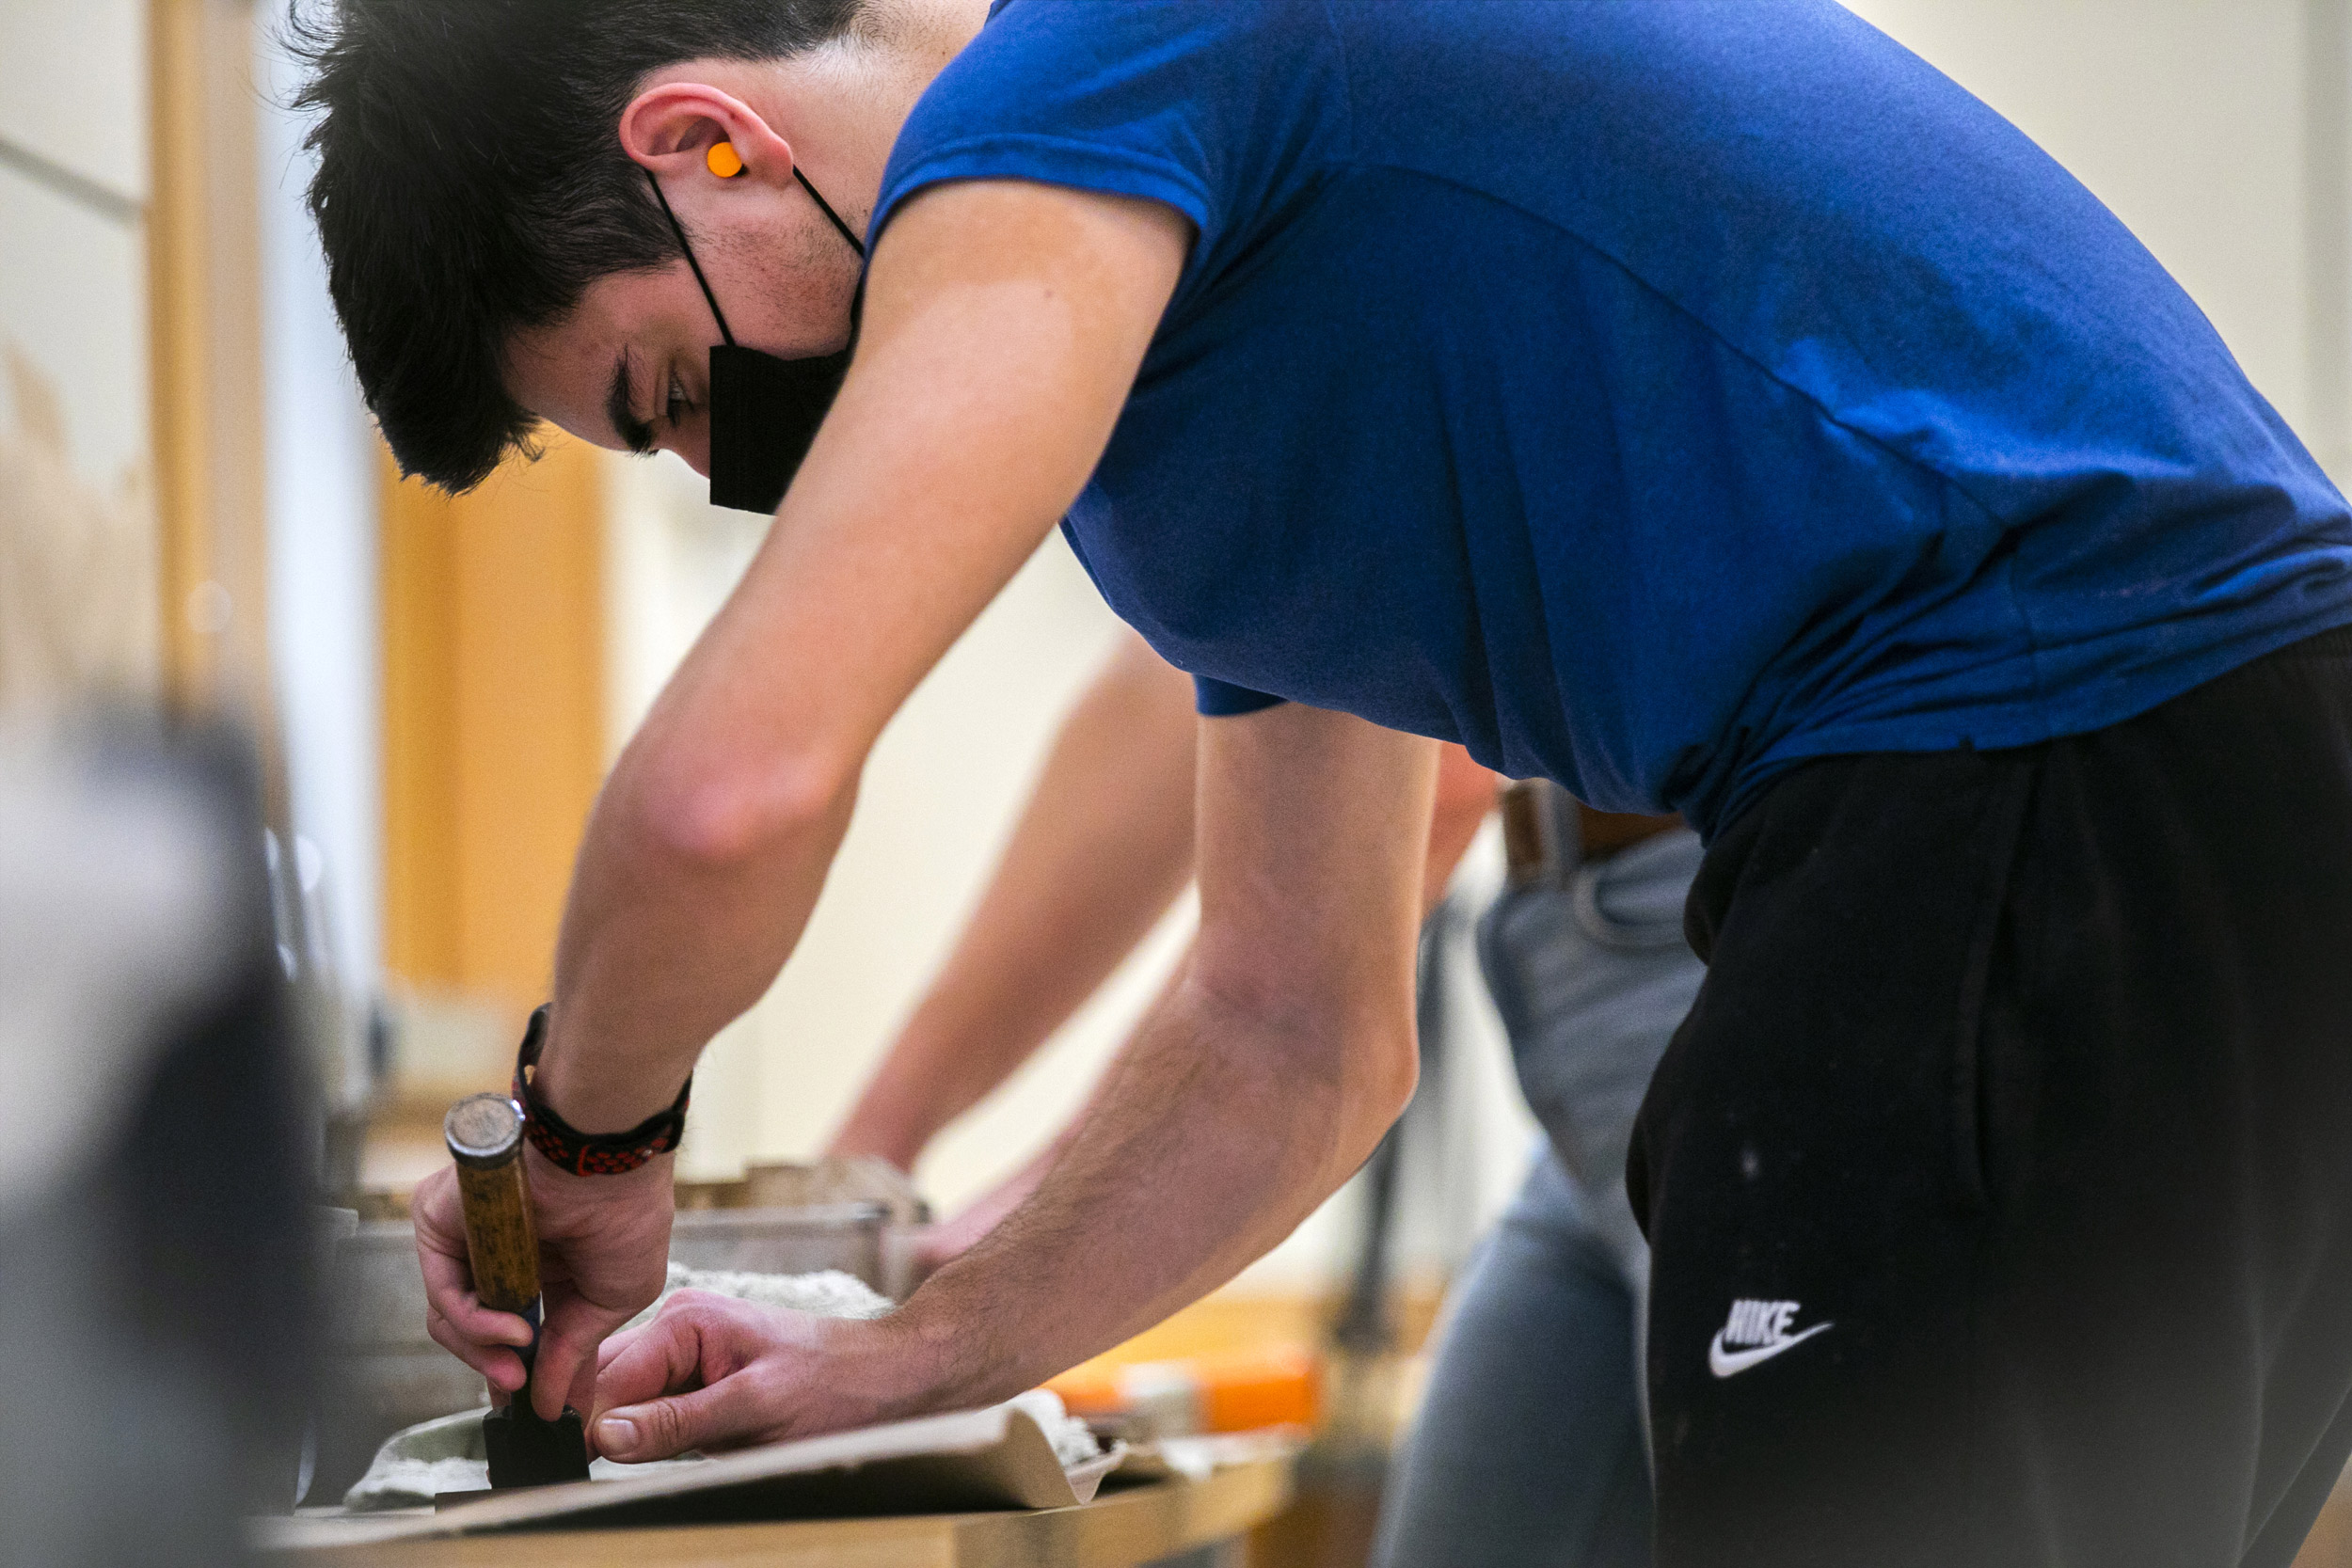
(843, 105)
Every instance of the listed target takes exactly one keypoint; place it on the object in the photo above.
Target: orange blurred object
(1218, 1391)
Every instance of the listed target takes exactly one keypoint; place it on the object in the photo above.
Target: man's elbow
(1381, 1067)
(712, 816)
(1352, 1054)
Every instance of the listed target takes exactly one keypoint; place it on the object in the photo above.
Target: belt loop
(1541, 841)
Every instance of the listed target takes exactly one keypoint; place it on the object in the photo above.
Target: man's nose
(691, 441)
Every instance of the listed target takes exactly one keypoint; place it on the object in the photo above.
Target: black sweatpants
(2001, 1180)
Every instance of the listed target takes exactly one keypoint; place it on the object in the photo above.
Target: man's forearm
(1215, 1135)
(663, 947)
(1255, 1090)
(1465, 793)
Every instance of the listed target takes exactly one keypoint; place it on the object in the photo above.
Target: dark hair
(472, 183)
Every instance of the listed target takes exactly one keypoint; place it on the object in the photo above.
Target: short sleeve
(1220, 109)
(1218, 699)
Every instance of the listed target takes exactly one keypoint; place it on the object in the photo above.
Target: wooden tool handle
(484, 1134)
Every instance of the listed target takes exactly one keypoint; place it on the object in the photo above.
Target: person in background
(1529, 1447)
(1103, 849)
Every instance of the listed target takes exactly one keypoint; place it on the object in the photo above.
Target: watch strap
(590, 1153)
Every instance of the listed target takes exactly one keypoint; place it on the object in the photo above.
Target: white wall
(75, 78)
(72, 268)
(2215, 130)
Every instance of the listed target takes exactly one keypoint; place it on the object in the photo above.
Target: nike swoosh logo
(1726, 1363)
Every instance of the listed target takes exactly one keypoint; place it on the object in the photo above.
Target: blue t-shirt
(1648, 393)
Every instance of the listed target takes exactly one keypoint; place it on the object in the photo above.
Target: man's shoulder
(1039, 62)
(1192, 102)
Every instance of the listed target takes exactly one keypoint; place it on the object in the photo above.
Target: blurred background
(194, 508)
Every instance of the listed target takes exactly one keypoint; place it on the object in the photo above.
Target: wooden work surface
(1119, 1528)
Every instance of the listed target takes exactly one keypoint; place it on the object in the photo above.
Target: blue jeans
(1529, 1447)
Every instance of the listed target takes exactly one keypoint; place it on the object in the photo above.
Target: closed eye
(617, 402)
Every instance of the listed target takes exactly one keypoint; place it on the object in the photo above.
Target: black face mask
(764, 410)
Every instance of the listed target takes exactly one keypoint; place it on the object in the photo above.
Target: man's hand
(604, 1251)
(711, 1372)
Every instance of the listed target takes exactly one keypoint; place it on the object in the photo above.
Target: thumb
(668, 1426)
(672, 1386)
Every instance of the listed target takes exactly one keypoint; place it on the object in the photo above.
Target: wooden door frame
(204, 336)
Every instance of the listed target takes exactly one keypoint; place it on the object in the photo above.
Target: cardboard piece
(996, 1458)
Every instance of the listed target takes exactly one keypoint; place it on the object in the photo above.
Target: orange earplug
(724, 160)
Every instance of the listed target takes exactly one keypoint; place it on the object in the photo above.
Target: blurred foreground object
(154, 1315)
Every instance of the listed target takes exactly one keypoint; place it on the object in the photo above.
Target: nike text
(1755, 1332)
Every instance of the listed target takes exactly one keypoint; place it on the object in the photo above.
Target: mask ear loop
(825, 207)
(677, 229)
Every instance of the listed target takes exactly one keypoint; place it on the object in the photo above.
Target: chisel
(484, 1134)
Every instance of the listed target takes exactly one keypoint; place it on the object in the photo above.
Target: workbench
(1123, 1527)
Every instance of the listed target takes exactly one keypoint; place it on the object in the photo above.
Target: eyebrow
(634, 432)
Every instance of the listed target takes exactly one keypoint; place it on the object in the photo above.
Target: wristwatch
(584, 1153)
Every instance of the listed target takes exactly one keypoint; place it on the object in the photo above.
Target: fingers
(500, 1366)
(698, 1376)
(714, 1374)
(582, 1395)
(664, 1357)
(613, 1347)
(455, 1317)
(570, 1331)
(729, 1412)
(448, 1296)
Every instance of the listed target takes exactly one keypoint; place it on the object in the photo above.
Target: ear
(669, 129)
